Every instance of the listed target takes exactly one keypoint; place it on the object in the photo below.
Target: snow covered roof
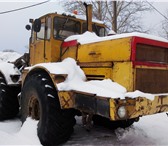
(91, 37)
(82, 17)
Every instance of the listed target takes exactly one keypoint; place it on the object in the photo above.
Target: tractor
(135, 61)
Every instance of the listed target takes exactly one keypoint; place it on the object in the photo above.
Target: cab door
(41, 43)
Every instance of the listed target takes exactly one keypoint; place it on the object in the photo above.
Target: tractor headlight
(122, 112)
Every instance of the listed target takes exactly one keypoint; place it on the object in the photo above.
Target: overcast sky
(13, 34)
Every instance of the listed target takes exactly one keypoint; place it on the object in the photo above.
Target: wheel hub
(33, 108)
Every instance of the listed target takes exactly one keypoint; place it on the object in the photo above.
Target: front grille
(151, 80)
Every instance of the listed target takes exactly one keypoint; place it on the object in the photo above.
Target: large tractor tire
(9, 105)
(102, 121)
(39, 100)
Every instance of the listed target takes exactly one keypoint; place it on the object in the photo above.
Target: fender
(54, 70)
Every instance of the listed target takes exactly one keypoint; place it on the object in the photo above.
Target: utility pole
(114, 23)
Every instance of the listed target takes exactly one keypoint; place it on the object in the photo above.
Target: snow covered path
(150, 130)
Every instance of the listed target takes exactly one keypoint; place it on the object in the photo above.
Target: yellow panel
(113, 112)
(39, 52)
(111, 50)
(69, 52)
(66, 99)
(55, 50)
(123, 74)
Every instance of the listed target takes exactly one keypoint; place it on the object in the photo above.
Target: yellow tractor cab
(50, 30)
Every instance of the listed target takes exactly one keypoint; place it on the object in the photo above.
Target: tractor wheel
(101, 121)
(9, 105)
(39, 100)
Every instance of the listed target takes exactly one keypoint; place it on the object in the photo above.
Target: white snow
(12, 133)
(150, 130)
(7, 68)
(140, 94)
(9, 56)
(104, 88)
(91, 37)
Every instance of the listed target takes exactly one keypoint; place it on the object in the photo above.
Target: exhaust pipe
(88, 16)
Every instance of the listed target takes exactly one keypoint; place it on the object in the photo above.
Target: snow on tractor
(74, 69)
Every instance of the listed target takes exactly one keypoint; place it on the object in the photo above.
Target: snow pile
(91, 37)
(6, 68)
(150, 130)
(105, 88)
(140, 94)
(67, 66)
(76, 80)
(9, 56)
(16, 136)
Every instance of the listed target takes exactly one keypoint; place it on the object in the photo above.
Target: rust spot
(163, 108)
(161, 98)
(142, 108)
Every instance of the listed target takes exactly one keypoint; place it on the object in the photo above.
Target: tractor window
(100, 31)
(64, 27)
(40, 34)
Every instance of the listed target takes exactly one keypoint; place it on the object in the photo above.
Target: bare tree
(164, 32)
(128, 13)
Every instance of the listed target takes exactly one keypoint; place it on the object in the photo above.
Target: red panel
(138, 40)
(69, 43)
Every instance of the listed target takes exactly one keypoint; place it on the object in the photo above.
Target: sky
(14, 36)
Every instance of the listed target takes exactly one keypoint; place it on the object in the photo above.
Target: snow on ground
(150, 130)
(12, 133)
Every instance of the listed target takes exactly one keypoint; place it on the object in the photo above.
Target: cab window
(45, 26)
(99, 30)
(65, 27)
(40, 34)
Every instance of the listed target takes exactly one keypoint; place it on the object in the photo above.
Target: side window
(42, 34)
(100, 31)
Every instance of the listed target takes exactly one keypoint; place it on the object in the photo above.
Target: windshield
(64, 27)
(99, 30)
